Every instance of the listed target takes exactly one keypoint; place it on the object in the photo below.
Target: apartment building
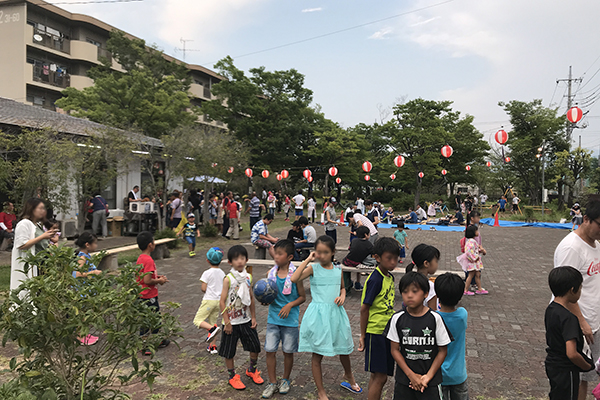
(45, 49)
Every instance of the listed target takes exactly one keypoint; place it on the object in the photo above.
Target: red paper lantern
(447, 151)
(214, 164)
(468, 167)
(307, 174)
(367, 166)
(574, 114)
(488, 164)
(393, 176)
(367, 177)
(248, 172)
(444, 172)
(421, 175)
(265, 174)
(310, 178)
(230, 170)
(507, 159)
(279, 177)
(285, 174)
(501, 136)
(338, 180)
(399, 161)
(333, 171)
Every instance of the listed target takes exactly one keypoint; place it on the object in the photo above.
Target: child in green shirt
(401, 236)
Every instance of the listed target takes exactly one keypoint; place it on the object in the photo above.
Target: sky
(472, 52)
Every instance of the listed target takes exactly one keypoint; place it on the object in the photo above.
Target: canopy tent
(206, 178)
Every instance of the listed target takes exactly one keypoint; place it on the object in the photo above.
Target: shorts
(403, 392)
(456, 392)
(191, 240)
(299, 212)
(515, 207)
(378, 356)
(263, 243)
(592, 376)
(578, 220)
(155, 306)
(243, 332)
(402, 252)
(564, 384)
(287, 335)
(209, 311)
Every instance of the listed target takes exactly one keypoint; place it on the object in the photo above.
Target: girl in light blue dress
(325, 328)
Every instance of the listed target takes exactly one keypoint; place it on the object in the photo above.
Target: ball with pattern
(265, 291)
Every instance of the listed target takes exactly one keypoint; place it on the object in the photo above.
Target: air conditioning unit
(69, 229)
(142, 207)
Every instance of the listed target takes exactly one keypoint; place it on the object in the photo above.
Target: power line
(336, 32)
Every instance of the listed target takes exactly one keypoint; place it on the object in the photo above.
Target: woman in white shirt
(29, 238)
(312, 204)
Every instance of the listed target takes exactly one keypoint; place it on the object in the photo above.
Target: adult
(411, 217)
(468, 203)
(176, 209)
(299, 204)
(264, 197)
(311, 208)
(309, 237)
(212, 209)
(219, 203)
(100, 211)
(580, 250)
(360, 204)
(457, 201)
(8, 221)
(259, 236)
(272, 202)
(431, 211)
(279, 197)
(373, 213)
(29, 238)
(196, 202)
(388, 215)
(234, 221)
(134, 194)
(515, 204)
(253, 209)
(360, 220)
(331, 222)
(226, 200)
(421, 215)
(483, 198)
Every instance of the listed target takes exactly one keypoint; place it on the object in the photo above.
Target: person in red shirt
(149, 279)
(234, 226)
(8, 221)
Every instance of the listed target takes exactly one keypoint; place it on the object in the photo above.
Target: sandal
(347, 385)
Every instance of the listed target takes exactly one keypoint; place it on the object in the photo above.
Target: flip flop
(347, 385)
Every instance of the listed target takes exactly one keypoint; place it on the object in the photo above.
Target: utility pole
(570, 97)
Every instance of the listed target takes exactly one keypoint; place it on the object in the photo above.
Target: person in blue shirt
(283, 318)
(502, 203)
(87, 243)
(411, 217)
(449, 289)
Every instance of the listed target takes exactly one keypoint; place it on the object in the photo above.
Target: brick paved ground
(505, 338)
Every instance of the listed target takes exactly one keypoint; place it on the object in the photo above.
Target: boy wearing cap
(212, 286)
(190, 232)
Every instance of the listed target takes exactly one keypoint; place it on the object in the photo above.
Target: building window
(92, 41)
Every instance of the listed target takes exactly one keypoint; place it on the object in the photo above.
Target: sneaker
(284, 386)
(212, 349)
(236, 383)
(212, 333)
(482, 291)
(164, 343)
(357, 286)
(468, 293)
(88, 340)
(256, 378)
(269, 391)
(192, 253)
(401, 262)
(147, 352)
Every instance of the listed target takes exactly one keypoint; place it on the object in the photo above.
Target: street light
(540, 156)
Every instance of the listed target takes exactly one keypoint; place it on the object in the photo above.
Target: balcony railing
(207, 93)
(54, 78)
(53, 42)
(104, 53)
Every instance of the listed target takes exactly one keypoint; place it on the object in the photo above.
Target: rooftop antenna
(183, 42)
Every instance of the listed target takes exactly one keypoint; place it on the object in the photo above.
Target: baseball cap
(333, 200)
(191, 215)
(214, 255)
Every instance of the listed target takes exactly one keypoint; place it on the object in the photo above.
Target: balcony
(200, 91)
(52, 42)
(53, 78)
(207, 93)
(104, 53)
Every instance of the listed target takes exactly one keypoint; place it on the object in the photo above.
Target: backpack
(463, 242)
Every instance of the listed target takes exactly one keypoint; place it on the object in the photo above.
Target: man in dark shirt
(133, 194)
(359, 254)
(295, 234)
(457, 201)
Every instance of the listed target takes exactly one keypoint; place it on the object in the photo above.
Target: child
(376, 310)
(470, 261)
(426, 258)
(52, 224)
(239, 317)
(286, 207)
(577, 217)
(283, 319)
(419, 340)
(449, 288)
(87, 243)
(565, 358)
(148, 279)
(190, 232)
(325, 329)
(212, 286)
(360, 252)
(473, 218)
(400, 236)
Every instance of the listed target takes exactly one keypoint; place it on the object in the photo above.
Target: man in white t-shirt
(580, 250)
(361, 220)
(360, 205)
(483, 198)
(420, 213)
(515, 204)
(299, 202)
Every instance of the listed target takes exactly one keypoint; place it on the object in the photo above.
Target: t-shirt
(419, 338)
(459, 217)
(330, 226)
(574, 252)
(360, 204)
(8, 220)
(99, 203)
(454, 368)
(295, 236)
(483, 198)
(281, 300)
(515, 200)
(190, 229)
(176, 205)
(148, 266)
(502, 203)
(379, 294)
(366, 222)
(299, 201)
(561, 326)
(431, 210)
(133, 195)
(373, 213)
(237, 312)
(255, 207)
(413, 217)
(213, 277)
(359, 250)
(400, 237)
(421, 213)
(310, 234)
(457, 199)
(88, 262)
(259, 228)
(233, 209)
(311, 203)
(430, 295)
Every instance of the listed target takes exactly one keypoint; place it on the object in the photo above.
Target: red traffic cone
(496, 223)
(342, 217)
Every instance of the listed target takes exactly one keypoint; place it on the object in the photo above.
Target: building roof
(23, 115)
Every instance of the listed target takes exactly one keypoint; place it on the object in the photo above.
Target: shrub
(167, 233)
(46, 314)
(209, 230)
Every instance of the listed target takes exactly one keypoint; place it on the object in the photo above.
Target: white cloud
(309, 10)
(382, 33)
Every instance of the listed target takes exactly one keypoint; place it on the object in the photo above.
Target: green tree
(571, 167)
(151, 95)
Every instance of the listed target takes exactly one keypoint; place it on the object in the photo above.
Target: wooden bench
(110, 260)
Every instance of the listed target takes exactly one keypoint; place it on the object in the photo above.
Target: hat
(191, 215)
(333, 200)
(214, 255)
(296, 223)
